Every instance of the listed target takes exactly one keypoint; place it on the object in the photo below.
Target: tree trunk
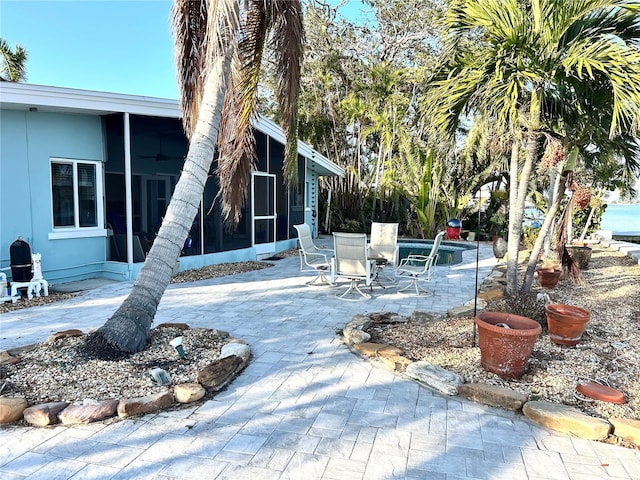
(128, 329)
(517, 210)
(559, 189)
(513, 247)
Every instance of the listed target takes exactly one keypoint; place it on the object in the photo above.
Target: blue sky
(122, 46)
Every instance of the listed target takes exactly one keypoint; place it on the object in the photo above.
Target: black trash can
(21, 263)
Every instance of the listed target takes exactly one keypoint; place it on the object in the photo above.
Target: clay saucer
(601, 392)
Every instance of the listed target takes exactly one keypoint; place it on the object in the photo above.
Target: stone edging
(561, 418)
(234, 357)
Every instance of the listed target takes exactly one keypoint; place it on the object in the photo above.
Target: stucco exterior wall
(27, 142)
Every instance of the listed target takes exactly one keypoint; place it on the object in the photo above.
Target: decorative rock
(393, 361)
(462, 311)
(626, 429)
(188, 392)
(493, 293)
(6, 358)
(434, 377)
(218, 374)
(567, 420)
(371, 349)
(24, 348)
(355, 335)
(140, 405)
(387, 317)
(360, 321)
(423, 317)
(44, 414)
(493, 395)
(179, 326)
(241, 350)
(479, 303)
(495, 274)
(87, 411)
(11, 409)
(64, 334)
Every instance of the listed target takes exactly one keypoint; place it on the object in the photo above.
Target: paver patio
(305, 407)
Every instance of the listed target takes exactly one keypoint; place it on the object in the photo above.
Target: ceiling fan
(161, 156)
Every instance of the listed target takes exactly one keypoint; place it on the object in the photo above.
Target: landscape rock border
(553, 416)
(234, 357)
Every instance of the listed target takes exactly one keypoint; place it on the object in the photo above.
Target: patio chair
(418, 268)
(383, 248)
(313, 258)
(351, 262)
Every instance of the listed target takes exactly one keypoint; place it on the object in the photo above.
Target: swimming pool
(449, 253)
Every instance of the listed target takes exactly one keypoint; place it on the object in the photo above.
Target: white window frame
(77, 231)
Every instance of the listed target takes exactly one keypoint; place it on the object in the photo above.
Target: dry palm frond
(288, 38)
(281, 21)
(561, 239)
(202, 30)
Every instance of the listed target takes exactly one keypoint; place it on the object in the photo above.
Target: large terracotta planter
(506, 351)
(580, 254)
(549, 277)
(566, 323)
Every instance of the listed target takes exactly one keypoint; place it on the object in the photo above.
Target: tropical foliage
(540, 66)
(13, 68)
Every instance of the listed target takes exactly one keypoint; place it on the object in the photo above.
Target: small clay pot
(506, 342)
(549, 277)
(566, 323)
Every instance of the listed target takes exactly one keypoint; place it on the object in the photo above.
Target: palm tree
(218, 50)
(13, 63)
(507, 58)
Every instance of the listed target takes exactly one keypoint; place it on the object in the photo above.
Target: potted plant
(549, 274)
(506, 342)
(566, 323)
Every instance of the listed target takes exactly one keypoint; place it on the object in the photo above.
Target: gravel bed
(609, 351)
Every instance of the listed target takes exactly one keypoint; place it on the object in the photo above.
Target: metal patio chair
(383, 248)
(313, 258)
(351, 261)
(418, 268)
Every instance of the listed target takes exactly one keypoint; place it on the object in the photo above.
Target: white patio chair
(418, 268)
(313, 258)
(351, 262)
(383, 247)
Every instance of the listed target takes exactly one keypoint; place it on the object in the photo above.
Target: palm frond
(288, 38)
(202, 30)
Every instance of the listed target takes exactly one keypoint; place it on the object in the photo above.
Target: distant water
(622, 218)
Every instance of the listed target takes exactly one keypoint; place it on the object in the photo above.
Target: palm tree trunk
(128, 329)
(513, 246)
(517, 210)
(559, 189)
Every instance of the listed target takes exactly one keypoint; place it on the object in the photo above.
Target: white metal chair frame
(351, 262)
(384, 245)
(419, 268)
(313, 258)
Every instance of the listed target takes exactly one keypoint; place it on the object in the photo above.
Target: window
(76, 193)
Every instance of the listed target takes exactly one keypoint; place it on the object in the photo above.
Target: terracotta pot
(566, 323)
(506, 351)
(549, 277)
(580, 254)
